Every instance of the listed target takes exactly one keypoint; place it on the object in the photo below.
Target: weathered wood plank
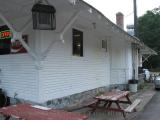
(131, 107)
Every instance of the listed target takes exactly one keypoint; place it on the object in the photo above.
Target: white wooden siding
(129, 62)
(64, 74)
(18, 75)
(118, 76)
(121, 61)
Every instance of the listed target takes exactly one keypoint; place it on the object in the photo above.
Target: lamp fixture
(73, 2)
(44, 17)
(90, 10)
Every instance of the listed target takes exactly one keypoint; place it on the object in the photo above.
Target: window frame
(75, 51)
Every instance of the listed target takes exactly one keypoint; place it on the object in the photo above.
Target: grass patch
(145, 86)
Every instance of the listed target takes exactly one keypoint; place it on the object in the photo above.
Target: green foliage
(149, 33)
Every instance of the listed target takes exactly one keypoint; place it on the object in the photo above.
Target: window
(104, 44)
(8, 45)
(5, 40)
(77, 42)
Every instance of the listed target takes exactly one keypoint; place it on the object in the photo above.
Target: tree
(149, 33)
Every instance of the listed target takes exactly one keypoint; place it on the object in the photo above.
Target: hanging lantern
(43, 17)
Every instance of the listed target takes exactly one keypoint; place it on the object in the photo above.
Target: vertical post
(133, 61)
(135, 34)
(135, 18)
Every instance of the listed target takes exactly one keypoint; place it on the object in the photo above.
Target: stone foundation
(119, 86)
(68, 101)
(76, 99)
(72, 100)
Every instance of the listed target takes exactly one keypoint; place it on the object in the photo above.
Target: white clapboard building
(62, 48)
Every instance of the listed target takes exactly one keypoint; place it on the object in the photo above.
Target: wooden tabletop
(27, 112)
(114, 95)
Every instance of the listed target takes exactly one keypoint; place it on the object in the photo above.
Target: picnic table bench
(29, 112)
(130, 108)
(106, 100)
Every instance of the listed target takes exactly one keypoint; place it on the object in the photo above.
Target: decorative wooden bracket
(18, 35)
(146, 58)
(70, 22)
(6, 22)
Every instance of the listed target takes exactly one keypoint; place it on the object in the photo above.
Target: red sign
(5, 34)
(17, 47)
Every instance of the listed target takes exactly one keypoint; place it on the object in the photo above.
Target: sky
(110, 7)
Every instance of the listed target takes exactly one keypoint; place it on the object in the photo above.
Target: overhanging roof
(145, 50)
(21, 9)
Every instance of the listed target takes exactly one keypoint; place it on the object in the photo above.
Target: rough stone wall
(119, 86)
(68, 101)
(75, 100)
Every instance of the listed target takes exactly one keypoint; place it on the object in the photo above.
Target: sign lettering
(5, 34)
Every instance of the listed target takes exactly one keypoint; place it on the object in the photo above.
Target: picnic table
(29, 112)
(106, 100)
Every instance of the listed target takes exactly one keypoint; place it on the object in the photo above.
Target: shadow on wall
(4, 100)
